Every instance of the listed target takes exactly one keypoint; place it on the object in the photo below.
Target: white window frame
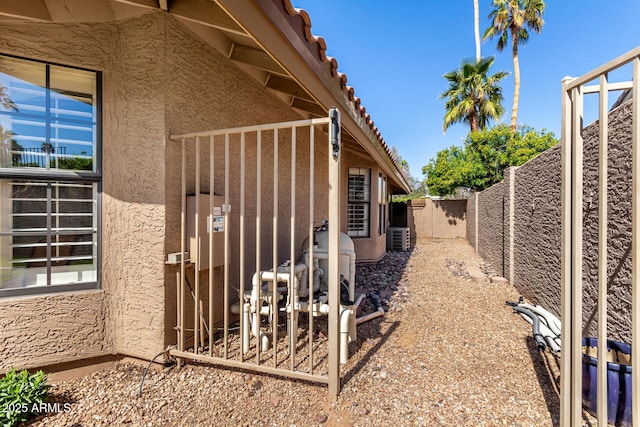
(382, 204)
(359, 200)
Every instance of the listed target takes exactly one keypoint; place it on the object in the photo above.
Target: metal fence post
(334, 252)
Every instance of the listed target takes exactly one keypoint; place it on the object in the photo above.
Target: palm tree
(476, 28)
(5, 100)
(9, 148)
(513, 18)
(473, 96)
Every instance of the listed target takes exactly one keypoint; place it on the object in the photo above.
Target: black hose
(376, 300)
(513, 304)
(542, 345)
(147, 370)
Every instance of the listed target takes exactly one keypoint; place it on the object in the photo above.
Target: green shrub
(19, 391)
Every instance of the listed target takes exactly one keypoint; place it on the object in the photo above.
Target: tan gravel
(449, 352)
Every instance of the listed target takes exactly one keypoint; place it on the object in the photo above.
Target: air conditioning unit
(398, 239)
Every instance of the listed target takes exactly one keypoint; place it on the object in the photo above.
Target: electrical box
(207, 224)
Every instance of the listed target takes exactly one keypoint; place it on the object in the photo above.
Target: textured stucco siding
(42, 330)
(130, 306)
(206, 91)
(45, 330)
(372, 248)
(133, 201)
(159, 79)
(619, 226)
(492, 225)
(538, 227)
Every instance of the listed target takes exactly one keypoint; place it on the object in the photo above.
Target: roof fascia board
(35, 10)
(269, 26)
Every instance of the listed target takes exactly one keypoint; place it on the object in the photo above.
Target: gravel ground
(448, 352)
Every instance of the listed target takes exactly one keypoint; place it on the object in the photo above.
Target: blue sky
(395, 53)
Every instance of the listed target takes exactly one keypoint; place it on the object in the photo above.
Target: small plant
(20, 394)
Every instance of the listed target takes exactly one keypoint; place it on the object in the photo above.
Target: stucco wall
(491, 225)
(41, 330)
(470, 220)
(372, 248)
(619, 225)
(537, 227)
(206, 91)
(437, 218)
(129, 308)
(133, 200)
(158, 79)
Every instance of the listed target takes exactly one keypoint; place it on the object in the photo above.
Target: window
(359, 198)
(382, 205)
(50, 177)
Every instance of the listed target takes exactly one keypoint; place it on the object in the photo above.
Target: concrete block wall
(619, 225)
(471, 224)
(491, 223)
(536, 261)
(523, 243)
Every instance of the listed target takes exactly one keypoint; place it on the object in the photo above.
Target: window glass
(49, 218)
(47, 116)
(49, 233)
(382, 205)
(359, 189)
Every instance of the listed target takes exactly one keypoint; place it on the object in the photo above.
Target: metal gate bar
(573, 91)
(203, 323)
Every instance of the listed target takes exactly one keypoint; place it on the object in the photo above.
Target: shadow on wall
(429, 218)
(519, 224)
(452, 209)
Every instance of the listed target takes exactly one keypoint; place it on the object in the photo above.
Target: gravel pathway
(447, 353)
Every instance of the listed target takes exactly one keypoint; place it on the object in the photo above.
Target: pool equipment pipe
(537, 336)
(551, 321)
(292, 284)
(552, 341)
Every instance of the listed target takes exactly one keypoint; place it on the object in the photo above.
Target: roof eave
(271, 23)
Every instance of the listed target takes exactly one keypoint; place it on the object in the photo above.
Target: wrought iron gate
(573, 230)
(232, 238)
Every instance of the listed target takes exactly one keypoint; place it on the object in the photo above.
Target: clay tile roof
(318, 46)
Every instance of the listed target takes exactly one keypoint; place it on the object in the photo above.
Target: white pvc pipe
(255, 330)
(352, 274)
(356, 304)
(552, 322)
(345, 317)
(323, 309)
(547, 334)
(245, 327)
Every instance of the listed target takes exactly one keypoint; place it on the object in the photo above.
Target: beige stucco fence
(431, 218)
(547, 228)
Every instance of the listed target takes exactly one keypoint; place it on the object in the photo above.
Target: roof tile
(317, 44)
